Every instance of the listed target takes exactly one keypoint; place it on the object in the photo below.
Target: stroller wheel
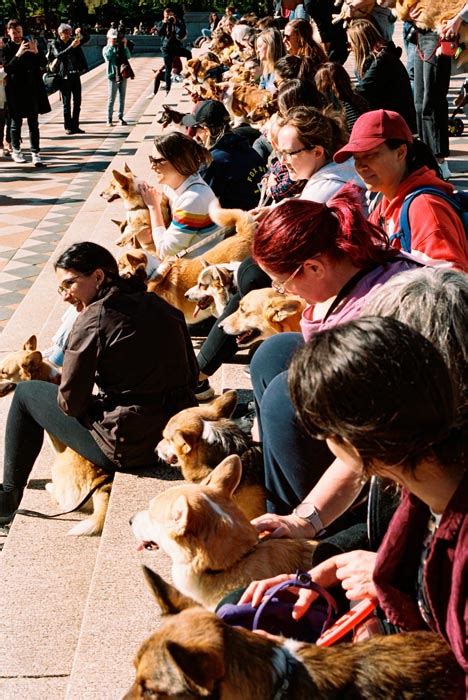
(455, 126)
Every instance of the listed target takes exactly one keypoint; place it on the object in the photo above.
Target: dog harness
(288, 666)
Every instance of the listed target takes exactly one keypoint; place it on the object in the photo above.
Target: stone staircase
(75, 610)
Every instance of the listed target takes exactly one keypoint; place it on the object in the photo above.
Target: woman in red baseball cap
(385, 157)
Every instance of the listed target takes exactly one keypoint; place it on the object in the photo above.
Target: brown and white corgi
(213, 546)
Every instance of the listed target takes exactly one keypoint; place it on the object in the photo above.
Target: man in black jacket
(25, 91)
(172, 31)
(236, 169)
(71, 63)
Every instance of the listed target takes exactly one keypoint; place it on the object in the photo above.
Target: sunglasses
(156, 162)
(281, 287)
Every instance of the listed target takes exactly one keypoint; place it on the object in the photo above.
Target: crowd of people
(373, 390)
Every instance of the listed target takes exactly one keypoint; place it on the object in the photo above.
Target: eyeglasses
(287, 37)
(156, 162)
(286, 155)
(67, 284)
(281, 287)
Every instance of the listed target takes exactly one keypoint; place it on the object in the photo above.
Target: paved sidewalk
(38, 204)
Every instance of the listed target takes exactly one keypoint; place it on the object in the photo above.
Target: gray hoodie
(327, 181)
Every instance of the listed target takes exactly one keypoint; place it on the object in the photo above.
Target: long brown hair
(307, 44)
(364, 39)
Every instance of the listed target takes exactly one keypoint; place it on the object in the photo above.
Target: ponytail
(299, 230)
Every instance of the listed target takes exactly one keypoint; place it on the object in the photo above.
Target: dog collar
(288, 666)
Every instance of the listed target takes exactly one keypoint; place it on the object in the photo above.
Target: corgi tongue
(197, 311)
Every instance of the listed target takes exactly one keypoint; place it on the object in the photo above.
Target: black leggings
(34, 409)
(218, 346)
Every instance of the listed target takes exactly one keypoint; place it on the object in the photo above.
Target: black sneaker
(204, 391)
(9, 502)
(79, 131)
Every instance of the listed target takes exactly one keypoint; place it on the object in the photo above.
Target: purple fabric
(274, 614)
(351, 306)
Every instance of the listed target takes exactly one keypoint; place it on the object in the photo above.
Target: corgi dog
(73, 476)
(196, 69)
(262, 313)
(195, 654)
(250, 103)
(170, 116)
(214, 548)
(197, 439)
(136, 228)
(214, 288)
(432, 15)
(175, 276)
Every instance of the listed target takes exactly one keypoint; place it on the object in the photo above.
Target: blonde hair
(364, 38)
(275, 48)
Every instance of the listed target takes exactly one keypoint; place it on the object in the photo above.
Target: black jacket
(25, 91)
(136, 349)
(71, 59)
(386, 85)
(235, 173)
(171, 34)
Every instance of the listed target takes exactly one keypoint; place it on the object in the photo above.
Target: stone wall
(144, 44)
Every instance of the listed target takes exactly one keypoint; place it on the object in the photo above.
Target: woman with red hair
(330, 255)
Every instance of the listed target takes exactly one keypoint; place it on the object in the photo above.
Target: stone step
(45, 576)
(119, 612)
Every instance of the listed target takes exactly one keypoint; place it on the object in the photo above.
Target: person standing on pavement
(115, 53)
(172, 31)
(25, 91)
(71, 63)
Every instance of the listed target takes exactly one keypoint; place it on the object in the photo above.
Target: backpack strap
(404, 226)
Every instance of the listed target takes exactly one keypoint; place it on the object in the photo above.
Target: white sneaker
(445, 170)
(150, 96)
(17, 156)
(37, 161)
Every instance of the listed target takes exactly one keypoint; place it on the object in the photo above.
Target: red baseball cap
(371, 130)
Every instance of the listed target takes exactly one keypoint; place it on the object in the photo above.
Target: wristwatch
(307, 511)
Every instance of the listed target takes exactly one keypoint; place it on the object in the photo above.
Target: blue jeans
(293, 461)
(431, 85)
(113, 89)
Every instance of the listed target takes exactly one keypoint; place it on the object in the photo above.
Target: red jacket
(437, 233)
(446, 571)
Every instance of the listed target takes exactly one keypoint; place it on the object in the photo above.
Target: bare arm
(333, 494)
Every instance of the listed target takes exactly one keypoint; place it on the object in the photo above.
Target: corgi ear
(279, 309)
(202, 668)
(222, 407)
(226, 476)
(170, 600)
(31, 343)
(121, 178)
(135, 260)
(181, 440)
(127, 169)
(180, 513)
(30, 367)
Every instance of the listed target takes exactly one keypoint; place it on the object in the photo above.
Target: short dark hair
(184, 153)
(13, 23)
(383, 388)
